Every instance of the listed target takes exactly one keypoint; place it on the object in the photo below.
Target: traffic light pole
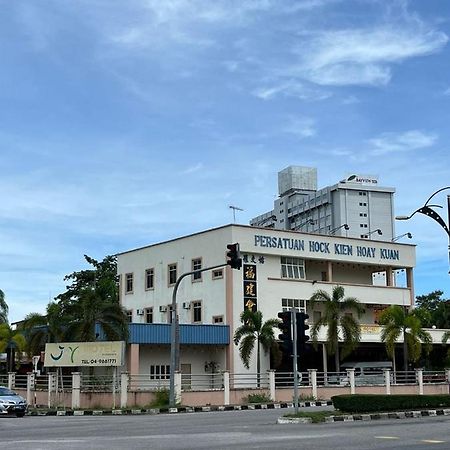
(295, 357)
(175, 332)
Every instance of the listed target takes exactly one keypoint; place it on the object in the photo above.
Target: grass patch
(315, 416)
(258, 398)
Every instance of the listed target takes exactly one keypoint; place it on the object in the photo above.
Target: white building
(354, 207)
(289, 266)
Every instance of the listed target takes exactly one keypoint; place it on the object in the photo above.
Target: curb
(178, 410)
(367, 417)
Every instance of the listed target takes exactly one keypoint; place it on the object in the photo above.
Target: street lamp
(375, 231)
(344, 226)
(427, 210)
(408, 235)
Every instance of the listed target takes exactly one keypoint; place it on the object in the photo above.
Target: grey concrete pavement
(221, 430)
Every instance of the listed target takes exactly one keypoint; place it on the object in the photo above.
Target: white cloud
(193, 169)
(362, 56)
(291, 88)
(302, 127)
(401, 142)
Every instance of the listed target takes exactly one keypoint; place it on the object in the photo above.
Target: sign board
(84, 354)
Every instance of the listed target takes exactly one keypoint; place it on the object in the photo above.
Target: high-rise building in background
(354, 207)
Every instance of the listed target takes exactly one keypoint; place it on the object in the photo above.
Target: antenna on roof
(235, 208)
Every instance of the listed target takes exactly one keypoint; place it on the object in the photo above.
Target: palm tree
(12, 342)
(336, 317)
(3, 308)
(254, 330)
(445, 338)
(398, 322)
(97, 305)
(40, 329)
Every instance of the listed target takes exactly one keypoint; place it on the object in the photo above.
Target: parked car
(12, 403)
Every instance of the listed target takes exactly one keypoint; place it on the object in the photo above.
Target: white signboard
(87, 354)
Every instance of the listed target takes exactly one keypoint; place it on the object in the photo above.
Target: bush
(366, 403)
(162, 398)
(258, 398)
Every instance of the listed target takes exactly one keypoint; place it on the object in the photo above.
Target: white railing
(69, 389)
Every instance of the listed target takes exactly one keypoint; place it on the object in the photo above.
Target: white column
(313, 381)
(351, 377)
(272, 384)
(324, 360)
(30, 386)
(52, 380)
(177, 380)
(76, 390)
(419, 377)
(387, 380)
(124, 389)
(11, 380)
(226, 388)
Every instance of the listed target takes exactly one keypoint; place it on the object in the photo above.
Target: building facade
(281, 269)
(355, 207)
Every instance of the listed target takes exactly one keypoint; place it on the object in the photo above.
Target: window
(288, 303)
(217, 274)
(324, 276)
(292, 268)
(217, 319)
(149, 279)
(362, 204)
(159, 372)
(172, 270)
(197, 311)
(363, 225)
(363, 193)
(148, 315)
(197, 265)
(128, 283)
(130, 316)
(362, 214)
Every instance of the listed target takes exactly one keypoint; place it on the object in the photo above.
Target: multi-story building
(354, 207)
(281, 269)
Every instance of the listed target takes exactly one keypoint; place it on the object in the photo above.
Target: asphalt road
(219, 430)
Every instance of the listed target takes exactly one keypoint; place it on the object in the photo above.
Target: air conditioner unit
(163, 309)
(186, 305)
(140, 312)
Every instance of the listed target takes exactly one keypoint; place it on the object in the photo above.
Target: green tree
(40, 329)
(254, 331)
(93, 298)
(399, 322)
(433, 310)
(445, 338)
(13, 343)
(338, 318)
(3, 308)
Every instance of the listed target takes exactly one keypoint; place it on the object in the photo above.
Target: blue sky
(128, 123)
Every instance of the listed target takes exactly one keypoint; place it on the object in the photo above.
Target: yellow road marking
(431, 441)
(386, 437)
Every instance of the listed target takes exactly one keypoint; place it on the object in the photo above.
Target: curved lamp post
(375, 231)
(344, 226)
(408, 235)
(427, 210)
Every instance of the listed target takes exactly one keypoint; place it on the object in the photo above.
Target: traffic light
(302, 337)
(234, 256)
(286, 332)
